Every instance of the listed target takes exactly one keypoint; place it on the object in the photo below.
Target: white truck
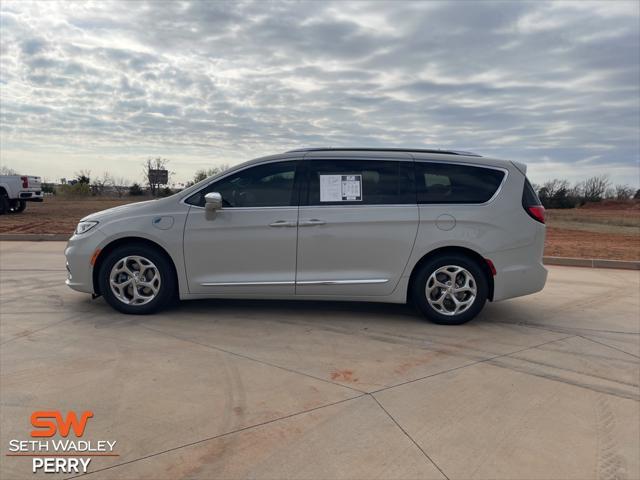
(17, 190)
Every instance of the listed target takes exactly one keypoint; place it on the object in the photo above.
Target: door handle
(312, 222)
(282, 223)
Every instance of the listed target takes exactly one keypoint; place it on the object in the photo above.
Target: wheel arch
(468, 252)
(111, 246)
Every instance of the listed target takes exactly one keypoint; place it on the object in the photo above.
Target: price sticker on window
(340, 188)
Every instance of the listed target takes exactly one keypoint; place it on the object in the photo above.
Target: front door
(357, 226)
(249, 245)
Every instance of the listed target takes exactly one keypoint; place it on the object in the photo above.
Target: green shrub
(77, 190)
(165, 192)
(135, 190)
(48, 188)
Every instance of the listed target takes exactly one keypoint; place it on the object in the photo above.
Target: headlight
(84, 227)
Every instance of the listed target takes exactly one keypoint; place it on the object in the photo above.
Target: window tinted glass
(450, 183)
(529, 195)
(270, 185)
(360, 182)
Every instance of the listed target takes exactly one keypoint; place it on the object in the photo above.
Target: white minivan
(446, 230)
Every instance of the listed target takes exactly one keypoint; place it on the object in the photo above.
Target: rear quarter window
(451, 183)
(529, 195)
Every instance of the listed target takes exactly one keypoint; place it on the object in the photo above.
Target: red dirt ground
(583, 244)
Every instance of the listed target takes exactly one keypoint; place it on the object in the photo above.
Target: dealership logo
(42, 420)
(60, 455)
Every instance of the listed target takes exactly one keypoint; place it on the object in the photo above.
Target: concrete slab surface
(542, 387)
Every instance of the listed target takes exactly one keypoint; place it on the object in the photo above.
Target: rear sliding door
(357, 224)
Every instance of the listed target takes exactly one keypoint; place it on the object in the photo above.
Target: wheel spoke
(121, 284)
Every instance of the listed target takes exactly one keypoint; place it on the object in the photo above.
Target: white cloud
(95, 85)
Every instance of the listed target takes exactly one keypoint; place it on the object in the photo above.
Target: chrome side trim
(343, 282)
(244, 284)
(304, 282)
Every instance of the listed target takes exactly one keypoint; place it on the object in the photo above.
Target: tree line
(85, 184)
(560, 193)
(554, 193)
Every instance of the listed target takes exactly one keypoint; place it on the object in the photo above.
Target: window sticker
(340, 188)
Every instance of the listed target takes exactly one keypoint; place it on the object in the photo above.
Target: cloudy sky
(102, 86)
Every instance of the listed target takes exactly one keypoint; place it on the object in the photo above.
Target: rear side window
(268, 185)
(451, 183)
(360, 182)
(529, 195)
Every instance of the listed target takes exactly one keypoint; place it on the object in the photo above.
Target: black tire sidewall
(168, 284)
(17, 206)
(4, 204)
(419, 296)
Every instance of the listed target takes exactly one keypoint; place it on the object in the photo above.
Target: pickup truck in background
(17, 190)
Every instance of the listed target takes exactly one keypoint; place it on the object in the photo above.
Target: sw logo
(48, 428)
(60, 455)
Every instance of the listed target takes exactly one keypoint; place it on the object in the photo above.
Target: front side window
(269, 185)
(360, 182)
(451, 183)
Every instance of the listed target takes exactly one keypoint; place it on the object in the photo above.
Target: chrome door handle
(282, 223)
(312, 223)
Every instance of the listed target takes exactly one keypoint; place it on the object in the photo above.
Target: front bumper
(80, 249)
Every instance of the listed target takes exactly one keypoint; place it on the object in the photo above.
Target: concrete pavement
(545, 386)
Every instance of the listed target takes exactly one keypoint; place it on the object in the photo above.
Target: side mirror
(212, 201)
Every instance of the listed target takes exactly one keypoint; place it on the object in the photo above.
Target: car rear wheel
(4, 203)
(17, 206)
(450, 290)
(137, 279)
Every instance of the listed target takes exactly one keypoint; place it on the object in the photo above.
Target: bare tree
(624, 192)
(202, 174)
(4, 170)
(555, 194)
(83, 176)
(594, 188)
(101, 183)
(610, 193)
(157, 163)
(120, 185)
(552, 187)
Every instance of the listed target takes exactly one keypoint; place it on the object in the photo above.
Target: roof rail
(383, 149)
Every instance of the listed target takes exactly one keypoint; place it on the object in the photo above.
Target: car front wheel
(450, 290)
(137, 279)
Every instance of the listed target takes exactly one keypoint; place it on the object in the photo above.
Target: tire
(4, 203)
(431, 280)
(17, 206)
(122, 264)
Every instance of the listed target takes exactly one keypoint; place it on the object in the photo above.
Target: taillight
(536, 212)
(531, 203)
(25, 182)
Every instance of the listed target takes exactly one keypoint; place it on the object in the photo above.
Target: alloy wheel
(134, 280)
(451, 290)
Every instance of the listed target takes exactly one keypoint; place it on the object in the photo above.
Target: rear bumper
(519, 280)
(31, 196)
